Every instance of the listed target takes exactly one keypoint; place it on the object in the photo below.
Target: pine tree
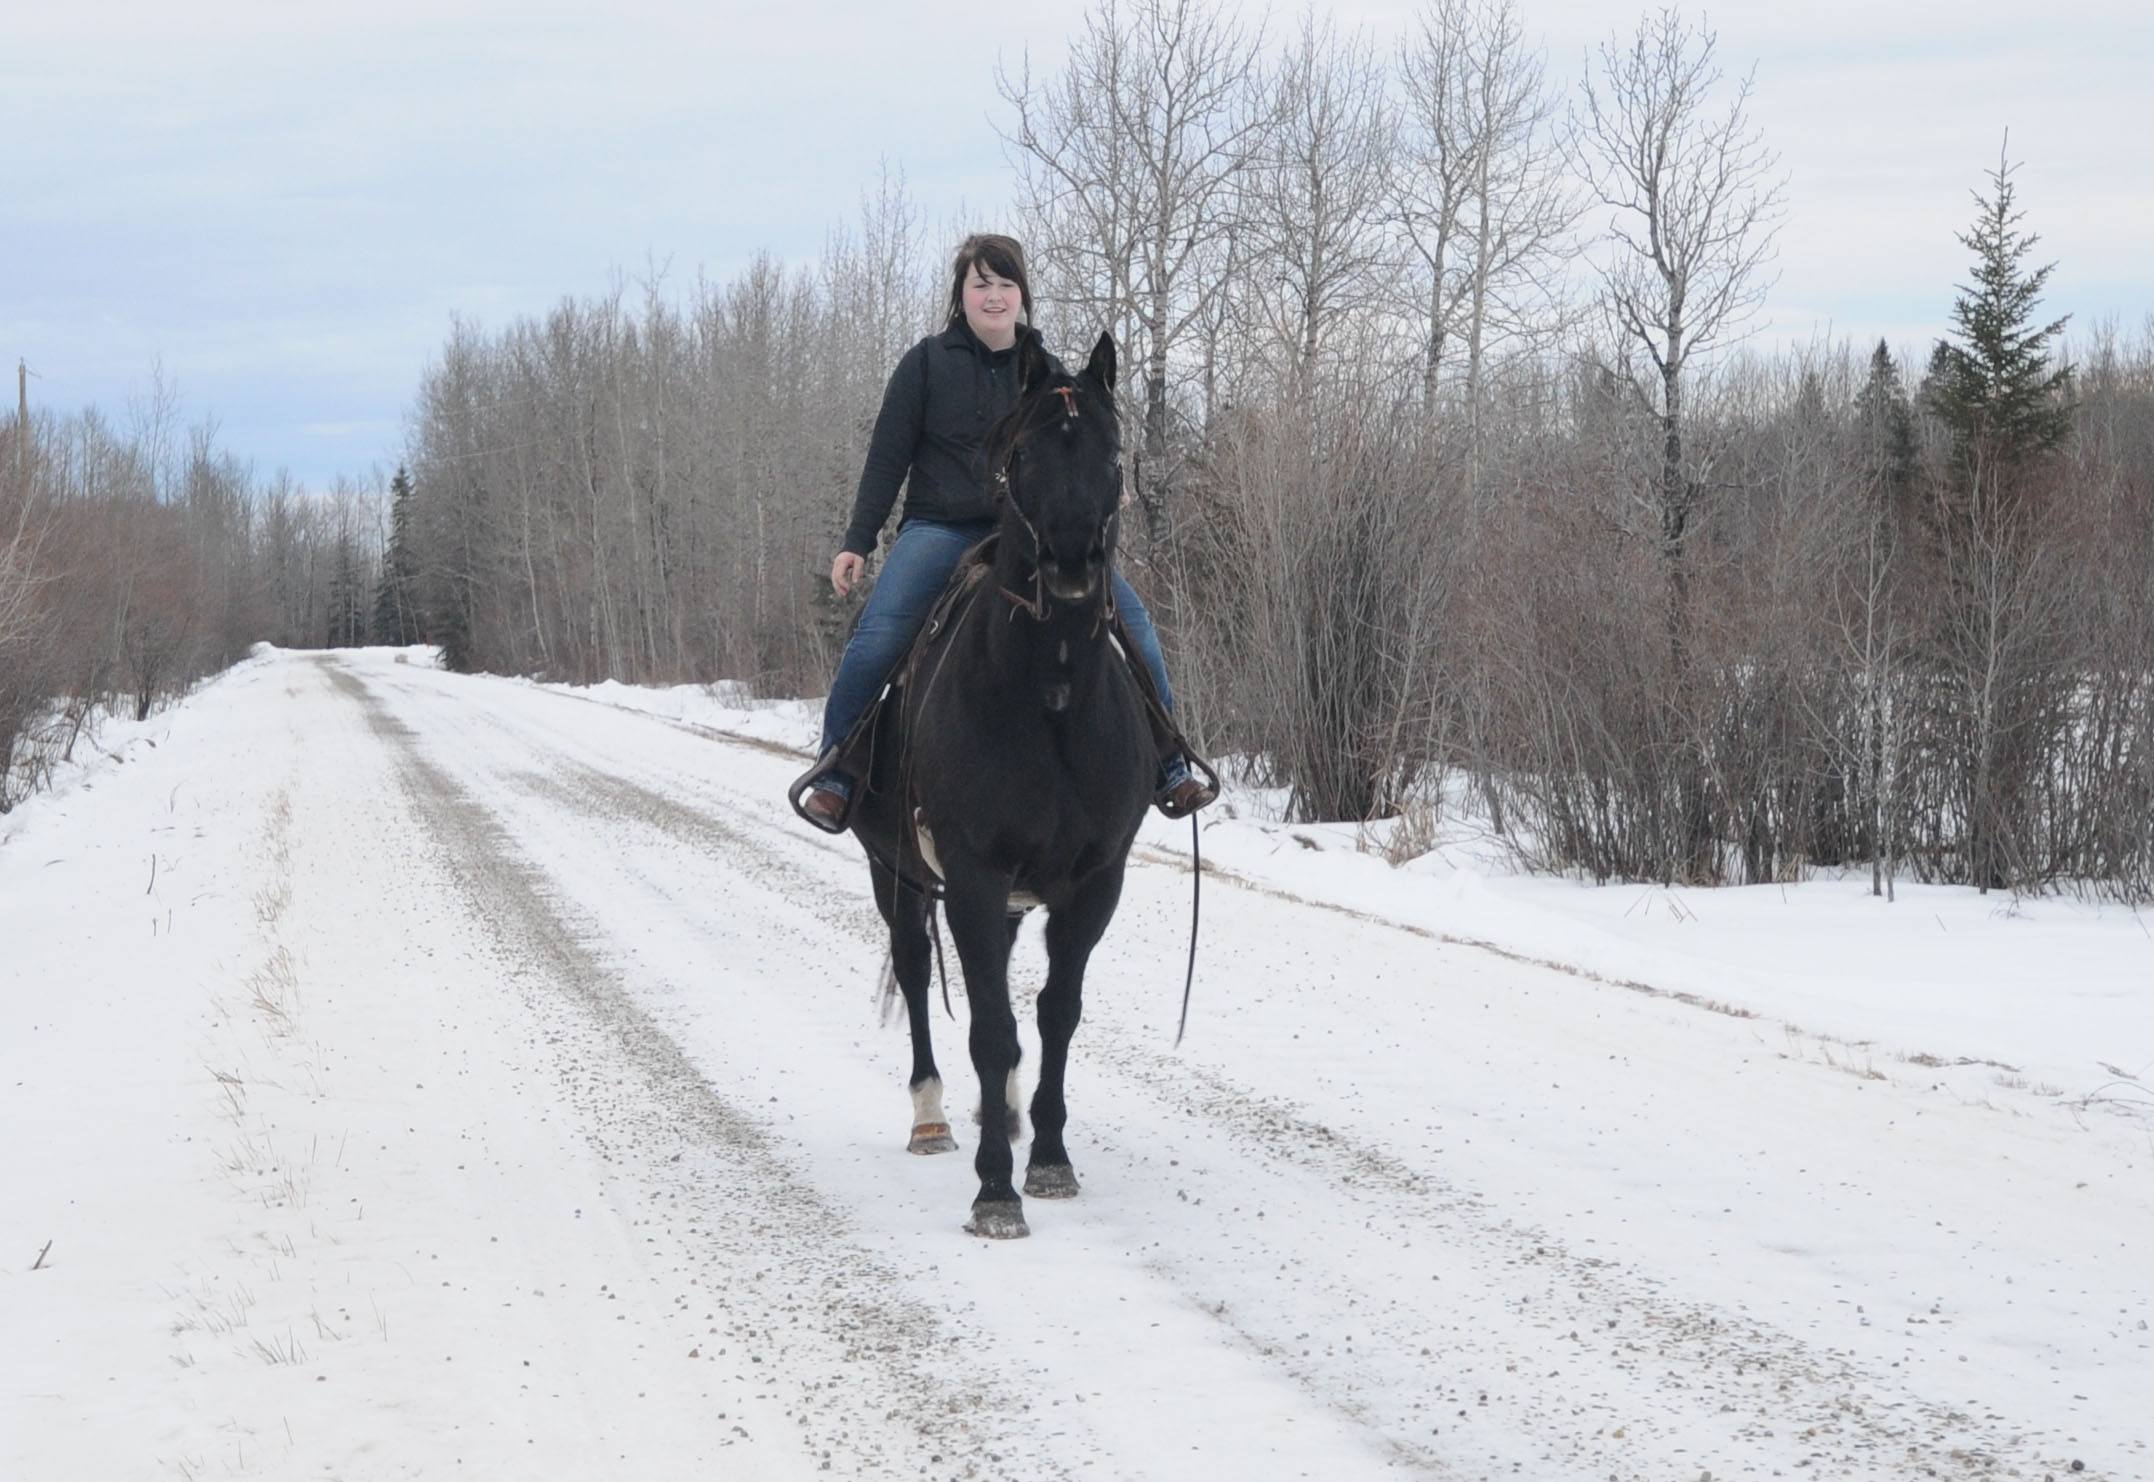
(396, 617)
(388, 624)
(1887, 423)
(1996, 389)
(346, 612)
(1993, 383)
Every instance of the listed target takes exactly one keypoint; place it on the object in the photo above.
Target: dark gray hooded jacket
(944, 395)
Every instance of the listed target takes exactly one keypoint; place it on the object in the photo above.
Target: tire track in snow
(615, 801)
(1575, 1336)
(777, 1262)
(770, 888)
(1567, 1320)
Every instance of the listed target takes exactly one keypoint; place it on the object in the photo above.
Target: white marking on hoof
(931, 1137)
(930, 1128)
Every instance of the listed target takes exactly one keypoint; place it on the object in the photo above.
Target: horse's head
(1057, 460)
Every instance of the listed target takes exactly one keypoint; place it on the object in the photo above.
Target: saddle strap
(1168, 738)
(855, 750)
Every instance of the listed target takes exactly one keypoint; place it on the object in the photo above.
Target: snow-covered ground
(408, 1074)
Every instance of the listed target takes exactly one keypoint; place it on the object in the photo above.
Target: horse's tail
(886, 991)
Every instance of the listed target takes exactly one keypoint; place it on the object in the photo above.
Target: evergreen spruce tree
(1809, 401)
(388, 624)
(452, 630)
(396, 617)
(341, 598)
(1996, 389)
(1993, 383)
(1887, 423)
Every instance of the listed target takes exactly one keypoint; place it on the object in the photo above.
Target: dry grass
(1413, 833)
(285, 1350)
(274, 990)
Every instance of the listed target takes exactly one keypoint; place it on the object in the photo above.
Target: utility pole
(22, 426)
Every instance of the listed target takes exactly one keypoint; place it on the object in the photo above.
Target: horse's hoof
(932, 1137)
(997, 1220)
(1051, 1181)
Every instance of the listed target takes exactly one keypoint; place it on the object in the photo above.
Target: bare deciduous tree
(1126, 162)
(1480, 191)
(1314, 203)
(1693, 205)
(1381, 572)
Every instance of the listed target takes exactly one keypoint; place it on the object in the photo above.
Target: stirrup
(1206, 794)
(797, 794)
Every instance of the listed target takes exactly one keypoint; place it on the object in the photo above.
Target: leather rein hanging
(1037, 608)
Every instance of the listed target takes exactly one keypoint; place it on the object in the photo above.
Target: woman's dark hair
(1001, 256)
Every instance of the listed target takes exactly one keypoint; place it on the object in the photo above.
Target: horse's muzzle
(1072, 577)
(1069, 584)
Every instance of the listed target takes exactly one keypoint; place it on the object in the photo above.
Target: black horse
(1015, 761)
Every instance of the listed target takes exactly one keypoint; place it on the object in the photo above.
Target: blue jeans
(914, 574)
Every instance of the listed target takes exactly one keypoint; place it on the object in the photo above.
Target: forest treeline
(1457, 479)
(138, 556)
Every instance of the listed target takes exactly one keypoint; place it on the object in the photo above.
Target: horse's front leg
(1072, 933)
(976, 903)
(905, 910)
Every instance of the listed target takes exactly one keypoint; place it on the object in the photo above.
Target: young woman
(944, 395)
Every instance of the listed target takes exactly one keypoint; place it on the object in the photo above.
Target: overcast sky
(287, 202)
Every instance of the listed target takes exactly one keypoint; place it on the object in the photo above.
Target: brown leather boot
(1185, 797)
(827, 809)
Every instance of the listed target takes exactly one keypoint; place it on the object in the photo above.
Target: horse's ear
(1033, 364)
(1101, 366)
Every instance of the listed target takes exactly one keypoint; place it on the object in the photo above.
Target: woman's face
(993, 306)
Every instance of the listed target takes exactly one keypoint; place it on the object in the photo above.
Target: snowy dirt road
(492, 1083)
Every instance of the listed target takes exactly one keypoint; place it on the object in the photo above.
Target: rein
(1038, 607)
(919, 881)
(1002, 483)
(1196, 894)
(1035, 607)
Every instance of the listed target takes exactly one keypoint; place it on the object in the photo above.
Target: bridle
(1038, 607)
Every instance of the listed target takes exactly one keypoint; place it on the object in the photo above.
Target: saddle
(854, 755)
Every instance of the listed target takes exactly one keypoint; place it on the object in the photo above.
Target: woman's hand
(846, 570)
